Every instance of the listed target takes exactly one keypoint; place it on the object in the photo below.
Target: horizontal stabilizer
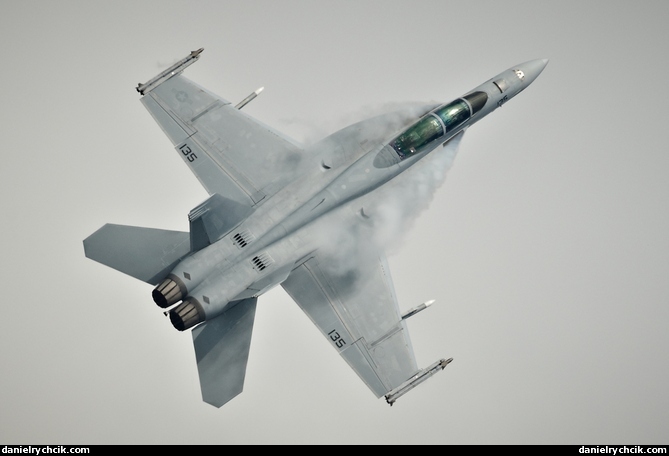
(222, 352)
(146, 254)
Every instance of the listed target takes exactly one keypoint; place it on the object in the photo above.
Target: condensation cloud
(376, 223)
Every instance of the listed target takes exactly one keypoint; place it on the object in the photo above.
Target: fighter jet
(279, 213)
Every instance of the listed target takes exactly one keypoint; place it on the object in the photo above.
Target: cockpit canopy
(438, 123)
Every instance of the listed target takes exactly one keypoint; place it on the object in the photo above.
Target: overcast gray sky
(546, 248)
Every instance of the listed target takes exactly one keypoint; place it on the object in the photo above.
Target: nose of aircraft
(533, 68)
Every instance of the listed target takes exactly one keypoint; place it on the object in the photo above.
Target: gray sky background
(546, 248)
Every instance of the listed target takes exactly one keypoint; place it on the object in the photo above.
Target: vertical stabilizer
(222, 352)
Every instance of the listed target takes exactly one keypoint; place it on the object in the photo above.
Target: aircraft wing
(358, 314)
(229, 152)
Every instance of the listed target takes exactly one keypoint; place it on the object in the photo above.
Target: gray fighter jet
(307, 218)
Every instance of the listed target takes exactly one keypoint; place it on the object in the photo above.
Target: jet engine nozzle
(169, 291)
(187, 314)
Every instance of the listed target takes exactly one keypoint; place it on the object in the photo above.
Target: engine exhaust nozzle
(169, 291)
(187, 314)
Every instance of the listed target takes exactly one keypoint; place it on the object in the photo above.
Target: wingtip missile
(168, 73)
(416, 380)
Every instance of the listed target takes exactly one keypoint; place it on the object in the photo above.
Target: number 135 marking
(336, 338)
(188, 153)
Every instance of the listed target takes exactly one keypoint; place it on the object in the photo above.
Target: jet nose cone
(543, 63)
(533, 68)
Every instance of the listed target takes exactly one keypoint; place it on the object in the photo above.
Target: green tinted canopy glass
(453, 114)
(422, 133)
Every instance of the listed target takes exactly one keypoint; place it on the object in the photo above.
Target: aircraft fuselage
(260, 252)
